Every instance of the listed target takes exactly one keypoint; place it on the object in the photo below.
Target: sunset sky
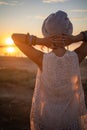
(22, 16)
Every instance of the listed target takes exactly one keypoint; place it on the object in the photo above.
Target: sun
(10, 49)
(9, 41)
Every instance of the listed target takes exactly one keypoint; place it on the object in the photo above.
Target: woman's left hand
(53, 41)
(65, 40)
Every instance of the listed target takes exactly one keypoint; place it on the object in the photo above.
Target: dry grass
(16, 89)
(17, 77)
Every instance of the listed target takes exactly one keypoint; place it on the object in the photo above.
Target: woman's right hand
(69, 39)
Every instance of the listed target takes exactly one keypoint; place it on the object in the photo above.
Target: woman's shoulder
(67, 53)
(73, 56)
(71, 53)
(48, 55)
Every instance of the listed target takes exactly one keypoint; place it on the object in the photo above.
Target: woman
(58, 100)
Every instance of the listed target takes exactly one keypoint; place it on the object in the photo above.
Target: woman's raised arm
(81, 51)
(34, 54)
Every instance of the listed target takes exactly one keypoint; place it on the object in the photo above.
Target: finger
(56, 36)
(65, 38)
(52, 36)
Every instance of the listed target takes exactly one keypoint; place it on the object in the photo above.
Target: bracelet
(85, 36)
(30, 40)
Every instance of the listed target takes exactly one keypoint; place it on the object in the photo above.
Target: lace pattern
(58, 98)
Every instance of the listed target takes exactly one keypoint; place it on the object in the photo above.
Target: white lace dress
(58, 99)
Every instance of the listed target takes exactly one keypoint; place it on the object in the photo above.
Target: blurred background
(17, 72)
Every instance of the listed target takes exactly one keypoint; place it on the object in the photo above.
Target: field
(17, 79)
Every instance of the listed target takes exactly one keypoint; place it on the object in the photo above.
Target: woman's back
(58, 92)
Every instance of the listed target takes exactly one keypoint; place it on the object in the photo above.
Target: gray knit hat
(57, 23)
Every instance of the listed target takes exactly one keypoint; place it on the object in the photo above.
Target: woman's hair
(57, 23)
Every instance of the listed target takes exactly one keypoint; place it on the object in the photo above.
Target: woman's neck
(60, 51)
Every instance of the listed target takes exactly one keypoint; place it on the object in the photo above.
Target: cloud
(79, 18)
(5, 3)
(9, 3)
(40, 17)
(53, 1)
(79, 10)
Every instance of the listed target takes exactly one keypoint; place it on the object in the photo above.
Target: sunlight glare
(10, 49)
(9, 41)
